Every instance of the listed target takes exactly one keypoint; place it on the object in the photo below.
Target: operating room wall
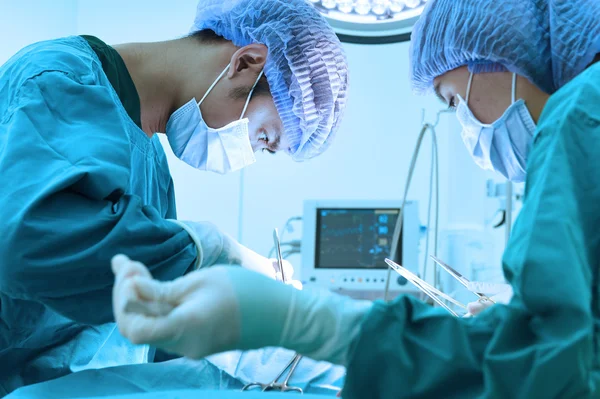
(21, 23)
(369, 159)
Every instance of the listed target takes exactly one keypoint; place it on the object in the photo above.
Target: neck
(169, 74)
(534, 98)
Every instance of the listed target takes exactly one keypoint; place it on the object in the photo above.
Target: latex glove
(499, 293)
(217, 247)
(223, 308)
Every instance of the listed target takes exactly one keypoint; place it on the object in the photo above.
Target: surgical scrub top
(545, 343)
(80, 182)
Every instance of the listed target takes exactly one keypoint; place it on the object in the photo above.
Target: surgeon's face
(265, 126)
(226, 102)
(491, 93)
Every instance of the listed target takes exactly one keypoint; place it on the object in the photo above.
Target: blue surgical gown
(79, 183)
(545, 343)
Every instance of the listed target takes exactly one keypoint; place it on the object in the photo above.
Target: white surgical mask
(502, 146)
(222, 150)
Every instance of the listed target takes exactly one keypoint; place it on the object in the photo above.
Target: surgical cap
(306, 67)
(547, 41)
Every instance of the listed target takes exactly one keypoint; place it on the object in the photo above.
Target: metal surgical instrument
(277, 244)
(275, 385)
(461, 279)
(427, 288)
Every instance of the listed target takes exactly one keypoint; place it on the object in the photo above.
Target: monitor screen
(354, 238)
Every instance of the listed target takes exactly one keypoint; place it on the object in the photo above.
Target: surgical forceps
(433, 292)
(461, 279)
(275, 385)
(279, 386)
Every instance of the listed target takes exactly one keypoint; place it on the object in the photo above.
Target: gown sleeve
(64, 208)
(545, 342)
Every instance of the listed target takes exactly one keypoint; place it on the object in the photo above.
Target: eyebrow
(274, 145)
(438, 93)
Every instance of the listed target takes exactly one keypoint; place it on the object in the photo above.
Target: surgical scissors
(275, 385)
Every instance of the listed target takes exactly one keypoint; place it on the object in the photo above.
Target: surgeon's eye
(452, 104)
(265, 139)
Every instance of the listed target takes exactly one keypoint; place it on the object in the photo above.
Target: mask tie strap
(215, 83)
(469, 88)
(250, 95)
(514, 88)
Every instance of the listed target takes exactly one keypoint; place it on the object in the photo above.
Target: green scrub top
(546, 342)
(80, 182)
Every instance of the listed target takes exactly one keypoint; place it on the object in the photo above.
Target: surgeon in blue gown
(83, 175)
(524, 78)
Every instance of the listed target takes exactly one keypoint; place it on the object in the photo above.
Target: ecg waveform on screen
(359, 238)
(333, 232)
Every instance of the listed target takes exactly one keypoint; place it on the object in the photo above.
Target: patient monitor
(345, 243)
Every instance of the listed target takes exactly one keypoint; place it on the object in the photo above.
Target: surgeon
(523, 77)
(83, 175)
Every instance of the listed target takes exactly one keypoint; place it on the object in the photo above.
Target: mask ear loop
(214, 83)
(250, 95)
(469, 88)
(514, 88)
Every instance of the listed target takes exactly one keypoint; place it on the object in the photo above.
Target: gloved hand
(224, 308)
(216, 247)
(499, 293)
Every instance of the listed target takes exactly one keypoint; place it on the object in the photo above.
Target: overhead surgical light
(371, 21)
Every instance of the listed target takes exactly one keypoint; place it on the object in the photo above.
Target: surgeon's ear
(250, 58)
